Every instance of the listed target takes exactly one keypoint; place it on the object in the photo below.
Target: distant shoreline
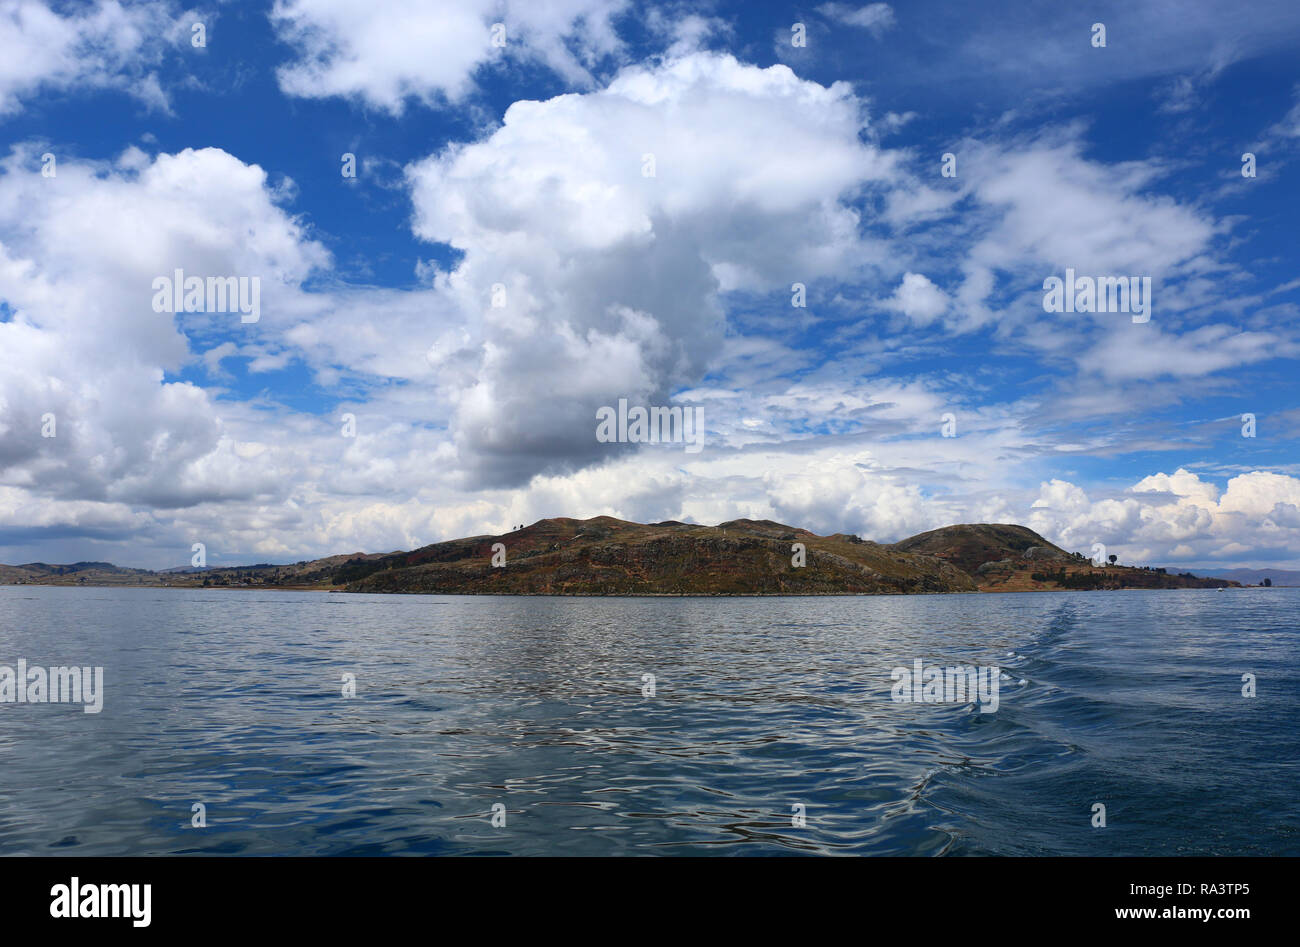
(605, 557)
(285, 588)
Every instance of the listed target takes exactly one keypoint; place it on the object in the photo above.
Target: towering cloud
(610, 222)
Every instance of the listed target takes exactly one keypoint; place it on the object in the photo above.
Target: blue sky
(523, 166)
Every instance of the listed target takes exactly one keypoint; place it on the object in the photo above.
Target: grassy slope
(607, 556)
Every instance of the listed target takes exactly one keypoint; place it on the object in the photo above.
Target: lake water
(233, 699)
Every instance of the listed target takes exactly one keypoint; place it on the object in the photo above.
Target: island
(608, 556)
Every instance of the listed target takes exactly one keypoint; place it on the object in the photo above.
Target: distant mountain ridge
(1279, 577)
(608, 556)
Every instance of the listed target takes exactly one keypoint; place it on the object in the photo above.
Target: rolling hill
(608, 556)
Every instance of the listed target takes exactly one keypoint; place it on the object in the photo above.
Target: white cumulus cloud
(431, 50)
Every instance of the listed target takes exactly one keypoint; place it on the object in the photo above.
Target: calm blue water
(233, 699)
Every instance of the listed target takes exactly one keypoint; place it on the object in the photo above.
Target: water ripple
(764, 710)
